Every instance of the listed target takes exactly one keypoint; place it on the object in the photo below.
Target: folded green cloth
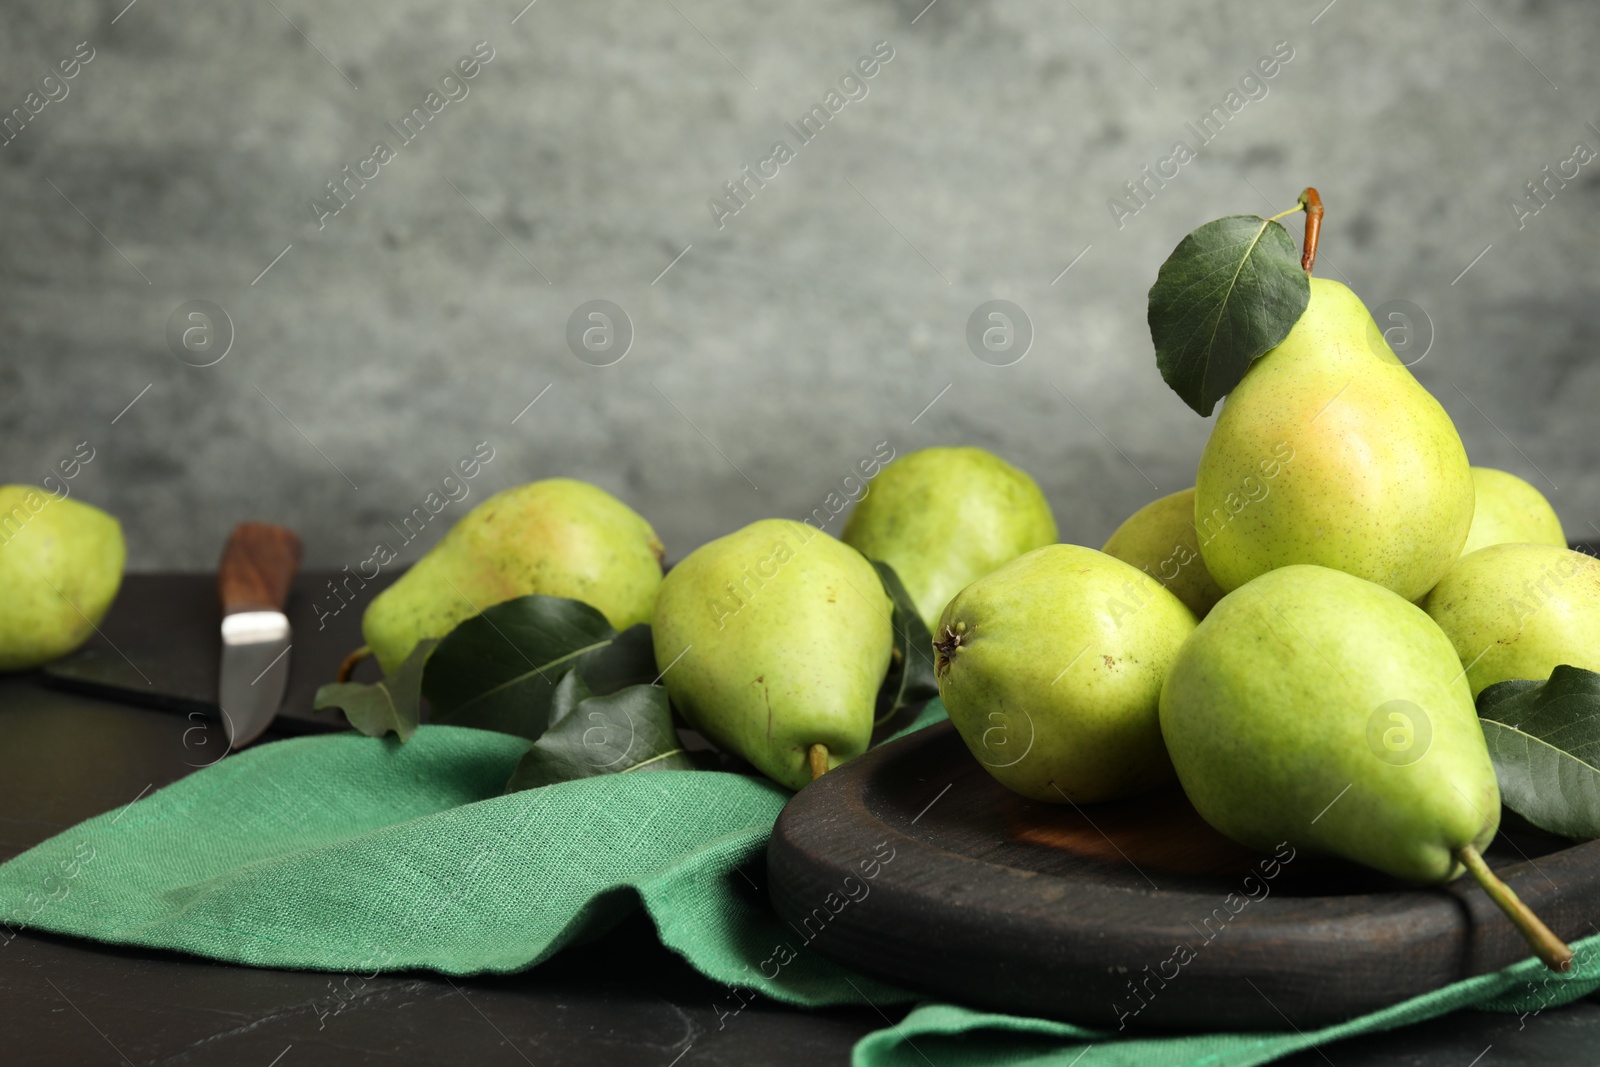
(953, 1036)
(343, 853)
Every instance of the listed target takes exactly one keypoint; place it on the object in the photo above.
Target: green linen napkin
(952, 1036)
(343, 853)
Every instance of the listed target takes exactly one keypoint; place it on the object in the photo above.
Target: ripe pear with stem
(773, 642)
(1314, 707)
(1377, 482)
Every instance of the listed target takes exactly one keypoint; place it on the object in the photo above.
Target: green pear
(60, 568)
(1159, 539)
(1320, 710)
(773, 642)
(1520, 611)
(1051, 667)
(1510, 511)
(1317, 708)
(944, 517)
(558, 537)
(1330, 452)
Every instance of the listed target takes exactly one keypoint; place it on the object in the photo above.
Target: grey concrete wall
(819, 320)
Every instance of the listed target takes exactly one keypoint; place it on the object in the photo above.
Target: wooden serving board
(912, 864)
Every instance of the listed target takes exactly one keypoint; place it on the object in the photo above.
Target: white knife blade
(255, 672)
(258, 564)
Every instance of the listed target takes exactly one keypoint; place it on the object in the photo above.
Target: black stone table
(620, 1000)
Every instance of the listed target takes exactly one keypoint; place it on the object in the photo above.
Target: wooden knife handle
(258, 564)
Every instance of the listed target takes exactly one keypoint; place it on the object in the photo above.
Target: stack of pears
(775, 639)
(1259, 636)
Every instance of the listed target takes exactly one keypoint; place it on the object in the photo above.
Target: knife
(258, 564)
(159, 647)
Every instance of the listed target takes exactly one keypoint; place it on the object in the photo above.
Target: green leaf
(911, 679)
(630, 730)
(1544, 738)
(1230, 291)
(388, 706)
(499, 670)
(571, 691)
(629, 659)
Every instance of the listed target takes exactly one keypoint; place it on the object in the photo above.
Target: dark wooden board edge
(1014, 941)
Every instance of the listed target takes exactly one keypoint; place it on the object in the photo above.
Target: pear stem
(1546, 945)
(1311, 200)
(818, 755)
(348, 666)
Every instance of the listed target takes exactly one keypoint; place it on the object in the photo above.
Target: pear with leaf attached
(558, 537)
(1329, 452)
(773, 642)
